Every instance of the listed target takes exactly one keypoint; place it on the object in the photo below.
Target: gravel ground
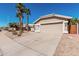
(68, 46)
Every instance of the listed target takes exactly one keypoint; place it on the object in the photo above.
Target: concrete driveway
(29, 44)
(43, 43)
(8, 47)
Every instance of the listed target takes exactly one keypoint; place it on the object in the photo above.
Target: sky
(8, 11)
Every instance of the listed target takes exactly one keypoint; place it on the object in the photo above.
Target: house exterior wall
(53, 24)
(50, 20)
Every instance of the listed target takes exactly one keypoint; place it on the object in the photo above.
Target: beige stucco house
(53, 22)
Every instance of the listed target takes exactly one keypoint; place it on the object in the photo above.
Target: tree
(74, 21)
(20, 8)
(13, 25)
(20, 16)
(27, 12)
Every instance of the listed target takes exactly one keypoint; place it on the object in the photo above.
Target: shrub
(74, 21)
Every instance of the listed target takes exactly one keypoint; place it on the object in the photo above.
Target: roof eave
(53, 15)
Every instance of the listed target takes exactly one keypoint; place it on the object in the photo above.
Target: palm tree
(20, 8)
(27, 12)
(20, 16)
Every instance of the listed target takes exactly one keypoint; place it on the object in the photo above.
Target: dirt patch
(68, 46)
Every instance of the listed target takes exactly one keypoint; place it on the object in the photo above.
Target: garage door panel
(57, 28)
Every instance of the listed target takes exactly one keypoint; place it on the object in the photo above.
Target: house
(54, 22)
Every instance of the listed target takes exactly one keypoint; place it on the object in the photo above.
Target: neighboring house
(54, 22)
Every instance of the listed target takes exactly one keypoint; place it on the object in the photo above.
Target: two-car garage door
(54, 28)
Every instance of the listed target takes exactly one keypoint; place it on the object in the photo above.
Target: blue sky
(8, 11)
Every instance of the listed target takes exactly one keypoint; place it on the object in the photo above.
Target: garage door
(57, 28)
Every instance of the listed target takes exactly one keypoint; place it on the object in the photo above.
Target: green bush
(74, 21)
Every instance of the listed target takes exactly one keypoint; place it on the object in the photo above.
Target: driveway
(8, 47)
(43, 43)
(29, 44)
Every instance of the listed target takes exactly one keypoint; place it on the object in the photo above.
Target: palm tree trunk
(21, 26)
(27, 17)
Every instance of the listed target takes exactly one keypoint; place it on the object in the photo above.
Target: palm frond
(19, 15)
(27, 11)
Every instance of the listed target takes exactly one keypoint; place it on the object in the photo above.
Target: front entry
(65, 27)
